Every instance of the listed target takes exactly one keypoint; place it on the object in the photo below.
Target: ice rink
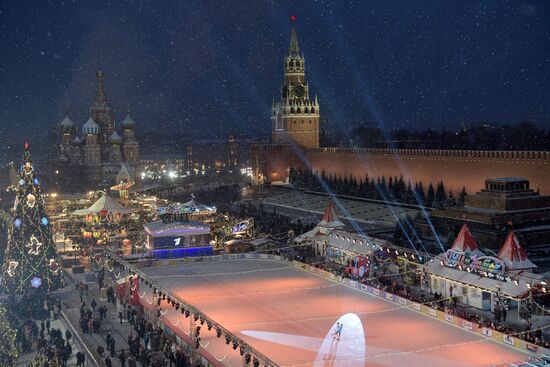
(289, 314)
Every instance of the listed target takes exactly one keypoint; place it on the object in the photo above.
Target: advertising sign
(489, 264)
(508, 339)
(467, 325)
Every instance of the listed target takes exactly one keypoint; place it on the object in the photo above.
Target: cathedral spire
(293, 49)
(100, 98)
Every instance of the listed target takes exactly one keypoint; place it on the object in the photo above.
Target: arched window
(291, 109)
(312, 110)
(298, 110)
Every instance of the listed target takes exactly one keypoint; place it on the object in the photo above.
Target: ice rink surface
(289, 314)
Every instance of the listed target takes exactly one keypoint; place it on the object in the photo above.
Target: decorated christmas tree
(31, 266)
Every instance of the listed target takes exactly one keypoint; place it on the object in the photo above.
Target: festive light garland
(166, 295)
(219, 274)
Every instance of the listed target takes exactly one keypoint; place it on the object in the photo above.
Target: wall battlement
(440, 153)
(456, 168)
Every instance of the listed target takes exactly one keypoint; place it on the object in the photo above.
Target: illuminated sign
(183, 209)
(166, 242)
(240, 227)
(474, 263)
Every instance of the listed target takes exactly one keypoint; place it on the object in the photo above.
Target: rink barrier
(489, 333)
(456, 321)
(205, 359)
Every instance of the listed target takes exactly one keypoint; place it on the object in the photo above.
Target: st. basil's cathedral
(95, 154)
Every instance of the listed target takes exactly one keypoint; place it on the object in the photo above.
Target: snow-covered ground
(289, 315)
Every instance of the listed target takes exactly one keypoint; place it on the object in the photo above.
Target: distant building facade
(96, 153)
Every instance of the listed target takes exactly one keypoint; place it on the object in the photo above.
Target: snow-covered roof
(159, 229)
(199, 207)
(115, 138)
(330, 218)
(508, 288)
(90, 127)
(513, 254)
(465, 242)
(128, 121)
(104, 203)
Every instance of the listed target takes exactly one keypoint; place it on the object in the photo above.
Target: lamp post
(75, 249)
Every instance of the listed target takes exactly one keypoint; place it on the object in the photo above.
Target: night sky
(209, 68)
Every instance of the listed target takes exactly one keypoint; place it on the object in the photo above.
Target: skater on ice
(338, 331)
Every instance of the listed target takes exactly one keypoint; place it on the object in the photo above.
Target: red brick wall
(456, 169)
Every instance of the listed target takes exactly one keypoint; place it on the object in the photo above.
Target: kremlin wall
(456, 168)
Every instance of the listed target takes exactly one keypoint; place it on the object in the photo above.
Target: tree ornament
(27, 168)
(21, 182)
(31, 200)
(34, 246)
(54, 267)
(44, 221)
(17, 223)
(11, 267)
(36, 282)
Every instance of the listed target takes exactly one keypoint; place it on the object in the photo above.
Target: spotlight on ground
(227, 339)
(235, 345)
(197, 343)
(218, 332)
(197, 331)
(186, 313)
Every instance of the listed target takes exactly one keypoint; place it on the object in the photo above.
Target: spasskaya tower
(295, 117)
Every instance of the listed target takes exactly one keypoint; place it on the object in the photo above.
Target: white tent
(104, 204)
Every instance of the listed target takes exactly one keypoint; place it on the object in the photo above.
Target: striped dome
(90, 127)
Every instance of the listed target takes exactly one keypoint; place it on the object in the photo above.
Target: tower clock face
(299, 91)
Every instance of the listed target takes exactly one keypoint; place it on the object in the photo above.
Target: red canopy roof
(330, 218)
(513, 254)
(465, 242)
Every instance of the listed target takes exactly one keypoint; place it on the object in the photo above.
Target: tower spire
(294, 49)
(100, 98)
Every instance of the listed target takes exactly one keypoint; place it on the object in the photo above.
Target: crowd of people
(151, 346)
(393, 283)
